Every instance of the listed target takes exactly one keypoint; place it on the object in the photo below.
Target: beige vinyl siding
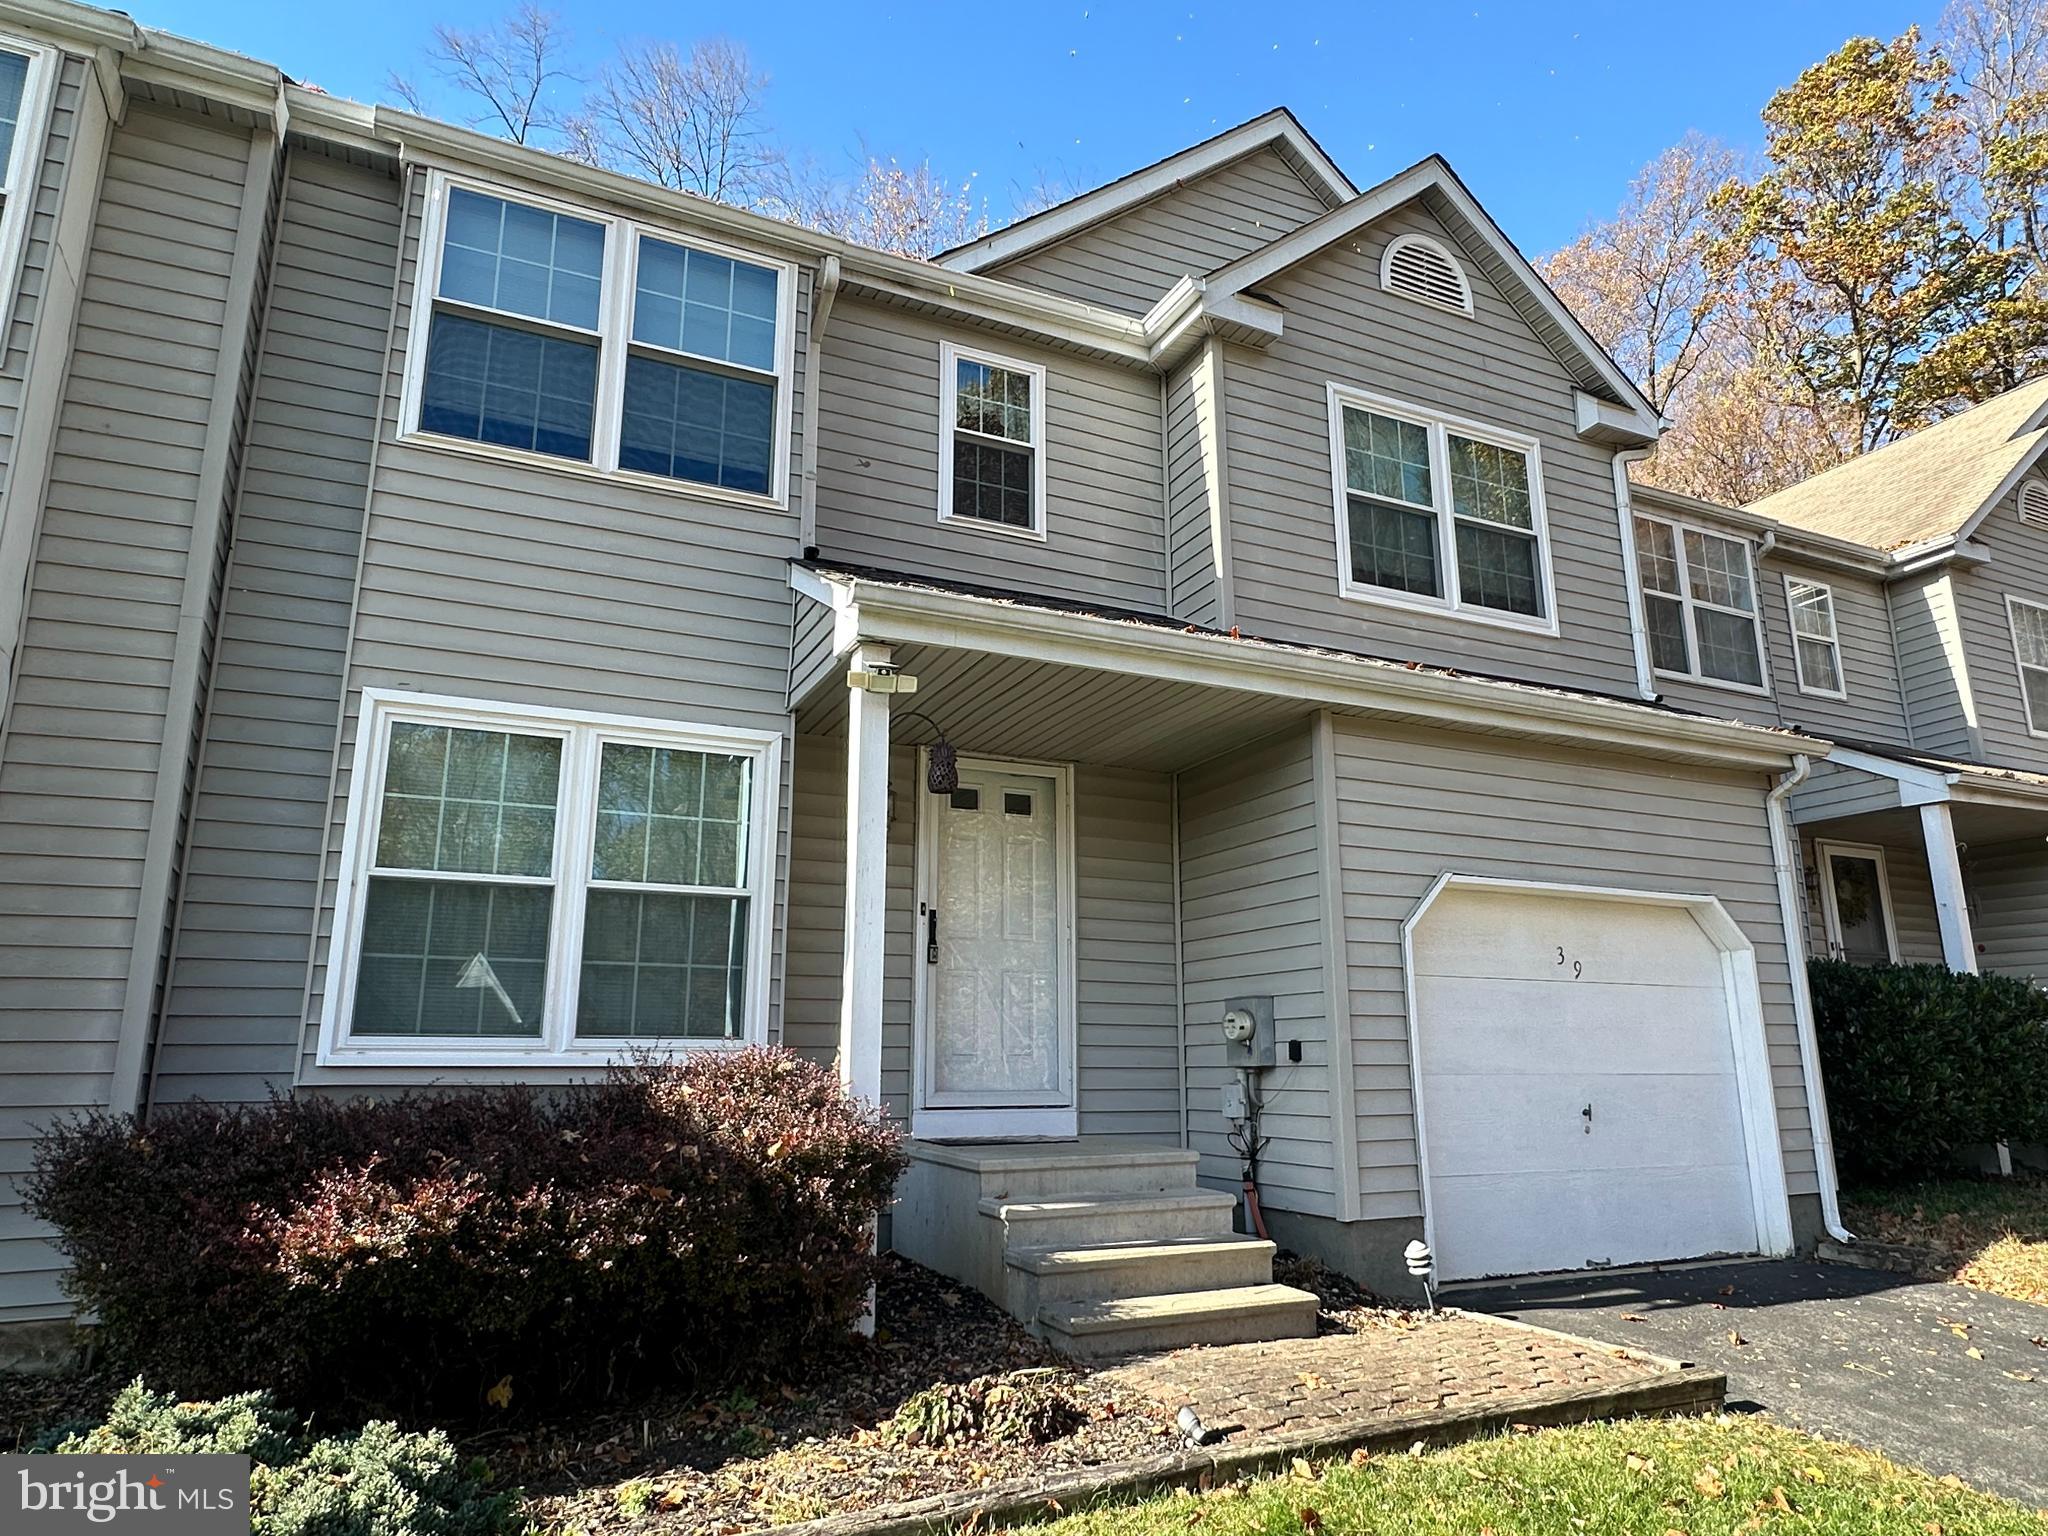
(878, 467)
(1252, 925)
(1940, 712)
(2008, 886)
(1127, 262)
(485, 578)
(810, 655)
(1489, 368)
(1914, 917)
(2018, 568)
(232, 1015)
(1127, 1047)
(1412, 806)
(1832, 790)
(87, 731)
(1194, 493)
(38, 251)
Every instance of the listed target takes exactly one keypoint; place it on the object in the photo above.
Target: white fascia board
(1917, 785)
(1433, 174)
(1272, 129)
(921, 616)
(1791, 541)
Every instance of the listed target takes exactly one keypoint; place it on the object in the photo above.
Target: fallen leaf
(1360, 1456)
(1303, 1470)
(1780, 1502)
(2021, 1375)
(500, 1396)
(1726, 1290)
(1640, 1464)
(1312, 1381)
(1974, 1352)
(1709, 1483)
(1813, 1474)
(1417, 1448)
(1309, 1518)
(1736, 1338)
(1633, 1317)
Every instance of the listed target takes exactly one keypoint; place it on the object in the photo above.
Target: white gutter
(1802, 996)
(1646, 681)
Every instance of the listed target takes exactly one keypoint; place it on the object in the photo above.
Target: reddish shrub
(699, 1220)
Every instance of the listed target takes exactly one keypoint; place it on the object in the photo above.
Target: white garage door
(1579, 1087)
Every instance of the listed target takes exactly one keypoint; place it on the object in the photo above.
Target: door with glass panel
(1856, 902)
(995, 1020)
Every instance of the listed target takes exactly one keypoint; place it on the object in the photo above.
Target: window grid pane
(996, 402)
(451, 958)
(1392, 546)
(1657, 556)
(1819, 668)
(466, 801)
(1717, 570)
(1490, 483)
(523, 260)
(1387, 458)
(692, 424)
(1728, 650)
(1813, 610)
(2030, 634)
(1664, 617)
(1497, 569)
(667, 816)
(656, 965)
(13, 85)
(499, 384)
(992, 483)
(715, 306)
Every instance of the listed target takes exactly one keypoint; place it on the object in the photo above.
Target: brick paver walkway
(1448, 1363)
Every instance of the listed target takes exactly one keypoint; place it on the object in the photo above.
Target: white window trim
(1831, 919)
(614, 338)
(583, 733)
(1688, 602)
(1401, 243)
(1437, 423)
(1833, 640)
(951, 355)
(24, 165)
(2013, 605)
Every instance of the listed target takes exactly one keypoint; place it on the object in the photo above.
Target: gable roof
(1934, 485)
(1278, 130)
(1437, 187)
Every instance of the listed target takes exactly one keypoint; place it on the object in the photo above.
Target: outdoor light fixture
(942, 759)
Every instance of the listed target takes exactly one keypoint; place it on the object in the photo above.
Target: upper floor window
(2030, 645)
(1816, 644)
(548, 885)
(1699, 604)
(991, 441)
(590, 340)
(1433, 512)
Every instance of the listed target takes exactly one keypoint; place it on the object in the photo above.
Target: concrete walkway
(1934, 1375)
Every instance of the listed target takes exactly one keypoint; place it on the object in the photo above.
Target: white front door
(995, 953)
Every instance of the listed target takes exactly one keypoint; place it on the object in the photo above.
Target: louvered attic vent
(1421, 269)
(2034, 503)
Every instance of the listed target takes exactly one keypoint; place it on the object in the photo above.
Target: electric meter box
(1258, 1048)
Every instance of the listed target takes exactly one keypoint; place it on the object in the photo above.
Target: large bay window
(588, 340)
(533, 886)
(1438, 513)
(1699, 604)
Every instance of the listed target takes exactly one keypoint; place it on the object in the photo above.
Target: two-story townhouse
(1157, 692)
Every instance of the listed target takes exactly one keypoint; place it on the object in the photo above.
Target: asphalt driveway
(1937, 1376)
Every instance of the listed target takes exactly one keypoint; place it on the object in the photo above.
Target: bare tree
(1998, 50)
(908, 210)
(688, 119)
(1642, 281)
(505, 71)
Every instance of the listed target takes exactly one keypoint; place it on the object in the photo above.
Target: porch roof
(1989, 803)
(1164, 692)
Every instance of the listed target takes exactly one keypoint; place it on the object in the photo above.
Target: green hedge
(1920, 1061)
(379, 1481)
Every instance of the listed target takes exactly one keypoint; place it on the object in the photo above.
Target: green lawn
(1725, 1476)
(1992, 1232)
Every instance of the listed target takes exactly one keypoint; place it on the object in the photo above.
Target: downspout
(824, 290)
(1802, 994)
(1646, 682)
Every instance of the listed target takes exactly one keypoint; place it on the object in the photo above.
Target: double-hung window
(1699, 604)
(1433, 512)
(26, 74)
(2030, 646)
(1816, 644)
(991, 441)
(548, 886)
(588, 340)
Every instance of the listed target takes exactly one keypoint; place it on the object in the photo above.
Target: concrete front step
(1024, 1170)
(1143, 1267)
(1089, 1218)
(1146, 1324)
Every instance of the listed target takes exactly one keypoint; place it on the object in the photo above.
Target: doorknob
(1587, 1113)
(931, 936)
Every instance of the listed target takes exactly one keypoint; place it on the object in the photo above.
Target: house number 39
(1578, 969)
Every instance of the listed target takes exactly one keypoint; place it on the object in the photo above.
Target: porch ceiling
(1006, 706)
(1976, 823)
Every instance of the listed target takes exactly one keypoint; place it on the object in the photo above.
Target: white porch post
(867, 871)
(1951, 904)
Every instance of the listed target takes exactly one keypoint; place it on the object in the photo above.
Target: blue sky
(1546, 110)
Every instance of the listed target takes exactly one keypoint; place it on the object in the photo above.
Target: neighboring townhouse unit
(1181, 677)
